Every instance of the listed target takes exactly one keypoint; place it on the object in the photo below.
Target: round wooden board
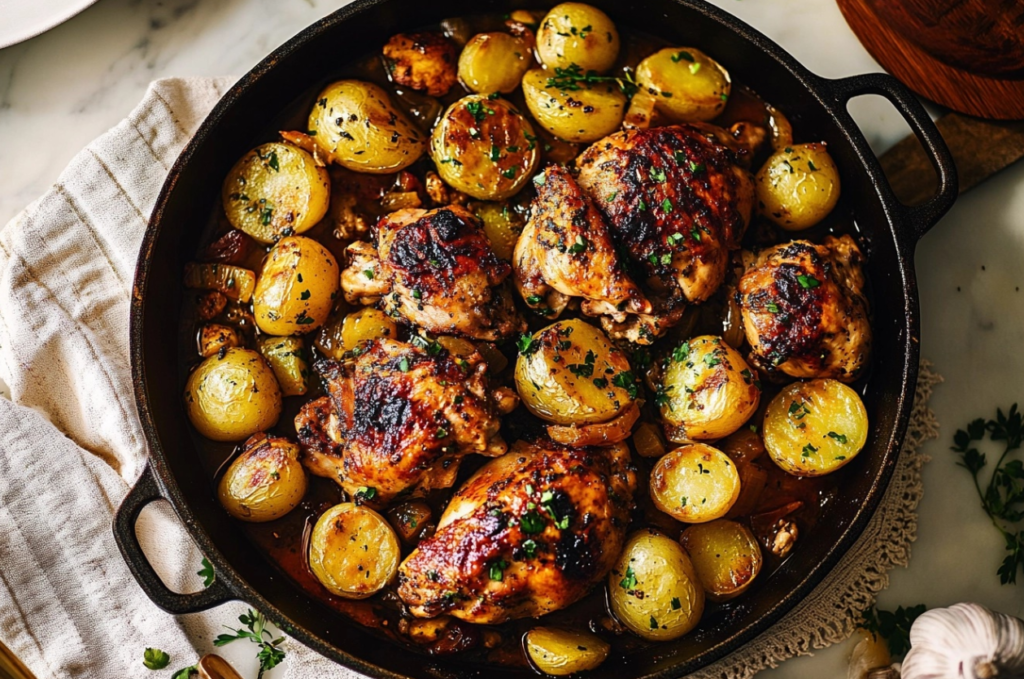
(934, 47)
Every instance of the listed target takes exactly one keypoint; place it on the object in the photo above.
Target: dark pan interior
(277, 85)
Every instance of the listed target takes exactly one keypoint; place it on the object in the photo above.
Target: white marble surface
(61, 89)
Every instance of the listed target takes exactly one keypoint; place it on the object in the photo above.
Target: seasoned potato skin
(297, 287)
(561, 652)
(798, 186)
(422, 61)
(725, 555)
(494, 62)
(583, 115)
(473, 131)
(814, 428)
(353, 551)
(576, 33)
(708, 391)
(653, 589)
(695, 483)
(265, 481)
(556, 381)
(232, 395)
(687, 85)
(275, 190)
(357, 126)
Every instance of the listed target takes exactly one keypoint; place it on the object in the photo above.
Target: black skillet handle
(917, 219)
(145, 491)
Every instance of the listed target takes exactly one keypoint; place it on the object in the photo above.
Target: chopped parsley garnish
(531, 523)
(666, 206)
(527, 345)
(682, 56)
(808, 282)
(511, 172)
(365, 493)
(626, 380)
(675, 238)
(657, 174)
(711, 359)
(600, 382)
(495, 153)
(403, 365)
(798, 410)
(579, 245)
(681, 353)
(586, 369)
(695, 234)
(772, 307)
(629, 582)
(529, 548)
(809, 450)
(838, 437)
(676, 604)
(476, 109)
(304, 295)
(573, 78)
(810, 164)
(694, 67)
(534, 299)
(654, 623)
(441, 433)
(497, 570)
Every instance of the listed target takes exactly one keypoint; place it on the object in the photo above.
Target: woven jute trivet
(831, 613)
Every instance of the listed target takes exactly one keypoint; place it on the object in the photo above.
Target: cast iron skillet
(817, 108)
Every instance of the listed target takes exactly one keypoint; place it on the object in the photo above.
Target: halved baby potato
(725, 555)
(653, 588)
(484, 147)
(813, 428)
(688, 85)
(353, 551)
(570, 373)
(561, 652)
(232, 395)
(707, 391)
(695, 483)
(275, 190)
(265, 482)
(494, 62)
(297, 287)
(356, 124)
(580, 34)
(286, 356)
(582, 115)
(798, 186)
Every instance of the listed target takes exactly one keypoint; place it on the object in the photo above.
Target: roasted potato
(707, 390)
(214, 337)
(286, 356)
(798, 186)
(356, 125)
(494, 62)
(265, 482)
(695, 483)
(561, 652)
(570, 373)
(653, 588)
(484, 147)
(501, 226)
(725, 555)
(231, 281)
(297, 287)
(585, 114)
(422, 61)
(814, 428)
(275, 190)
(366, 324)
(575, 33)
(233, 395)
(353, 551)
(688, 85)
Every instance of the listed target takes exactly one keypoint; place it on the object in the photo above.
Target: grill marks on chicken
(566, 251)
(804, 310)
(530, 533)
(436, 270)
(399, 419)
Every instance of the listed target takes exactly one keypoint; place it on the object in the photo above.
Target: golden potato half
(813, 428)
(265, 482)
(798, 186)
(725, 555)
(353, 551)
(576, 33)
(275, 190)
(561, 652)
(494, 62)
(695, 483)
(484, 147)
(578, 115)
(232, 395)
(688, 85)
(297, 287)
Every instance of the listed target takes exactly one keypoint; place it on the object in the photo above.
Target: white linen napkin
(70, 439)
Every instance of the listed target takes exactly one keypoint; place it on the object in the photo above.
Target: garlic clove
(870, 654)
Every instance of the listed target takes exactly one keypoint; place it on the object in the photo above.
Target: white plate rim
(13, 34)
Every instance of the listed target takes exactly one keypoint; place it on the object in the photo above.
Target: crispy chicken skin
(678, 200)
(804, 309)
(422, 61)
(531, 532)
(399, 419)
(434, 269)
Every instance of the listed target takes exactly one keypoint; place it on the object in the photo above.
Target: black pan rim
(815, 86)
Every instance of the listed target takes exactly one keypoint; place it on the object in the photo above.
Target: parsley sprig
(1003, 496)
(893, 626)
(573, 78)
(270, 656)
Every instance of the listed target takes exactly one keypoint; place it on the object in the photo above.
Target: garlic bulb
(965, 641)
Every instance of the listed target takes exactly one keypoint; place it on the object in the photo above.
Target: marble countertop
(60, 90)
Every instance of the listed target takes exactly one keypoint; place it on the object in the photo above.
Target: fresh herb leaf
(185, 672)
(807, 282)
(573, 78)
(838, 437)
(206, 573)
(629, 582)
(155, 659)
(527, 345)
(627, 380)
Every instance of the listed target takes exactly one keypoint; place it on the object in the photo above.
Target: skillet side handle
(142, 493)
(917, 219)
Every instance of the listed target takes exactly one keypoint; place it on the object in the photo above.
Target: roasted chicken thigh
(531, 532)
(804, 309)
(399, 419)
(434, 269)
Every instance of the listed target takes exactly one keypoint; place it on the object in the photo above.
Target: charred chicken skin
(399, 419)
(434, 269)
(678, 200)
(804, 310)
(566, 250)
(530, 533)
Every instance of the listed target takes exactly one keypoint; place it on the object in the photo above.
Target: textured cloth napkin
(71, 441)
